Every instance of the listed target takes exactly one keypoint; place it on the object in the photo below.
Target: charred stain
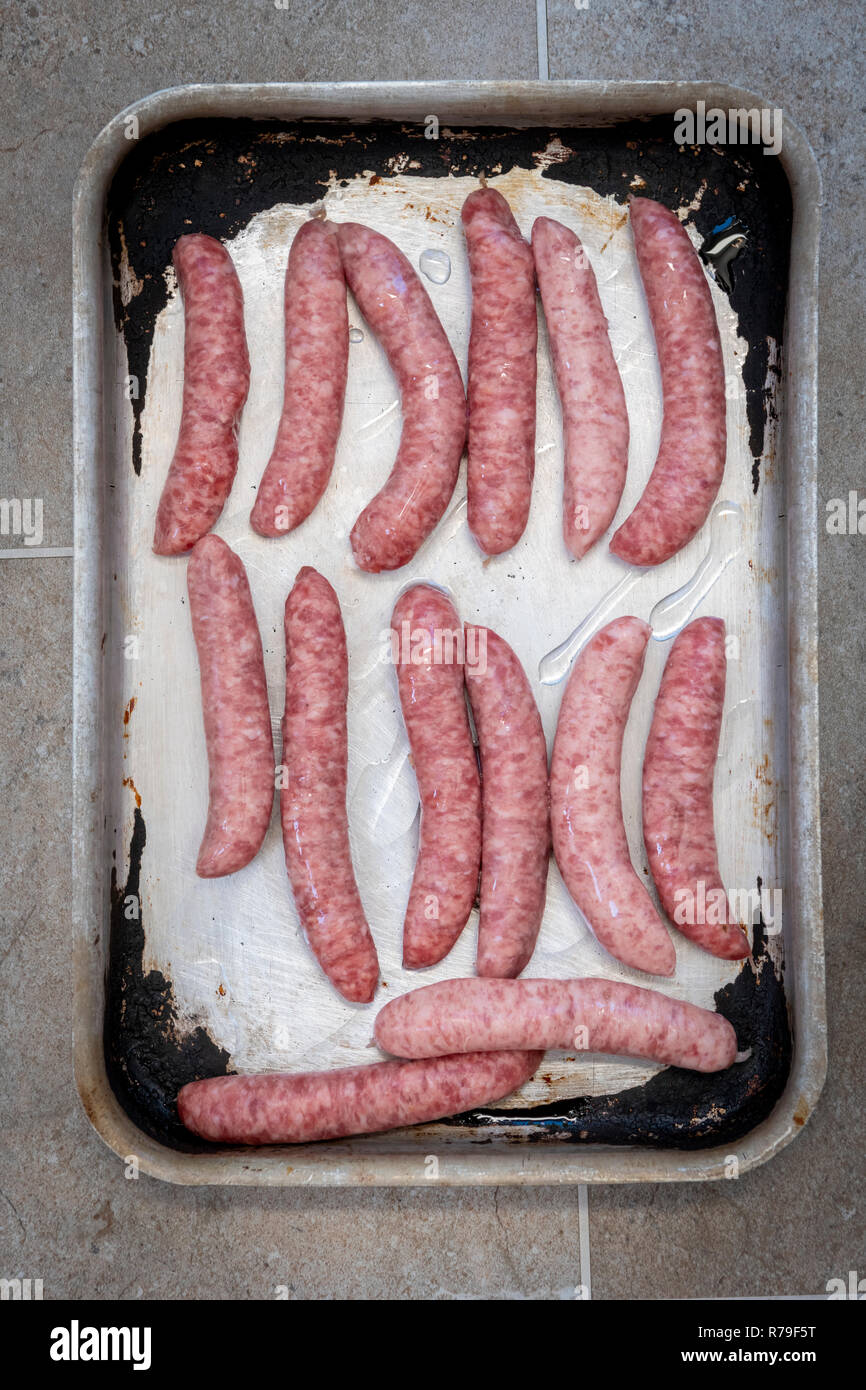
(678, 1109)
(147, 1058)
(215, 175)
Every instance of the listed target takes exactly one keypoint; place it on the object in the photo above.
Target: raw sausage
(397, 307)
(589, 838)
(502, 371)
(515, 841)
(691, 457)
(313, 799)
(234, 697)
(216, 378)
(594, 417)
(678, 769)
(428, 637)
(590, 1015)
(284, 1108)
(317, 357)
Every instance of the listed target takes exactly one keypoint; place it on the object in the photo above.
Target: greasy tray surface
(197, 987)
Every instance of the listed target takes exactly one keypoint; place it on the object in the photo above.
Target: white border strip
(541, 39)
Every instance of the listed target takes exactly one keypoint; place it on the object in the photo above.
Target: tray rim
(378, 1161)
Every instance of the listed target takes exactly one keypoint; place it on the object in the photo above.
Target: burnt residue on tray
(214, 176)
(680, 1109)
(147, 1057)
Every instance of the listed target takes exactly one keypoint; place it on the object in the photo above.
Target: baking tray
(176, 977)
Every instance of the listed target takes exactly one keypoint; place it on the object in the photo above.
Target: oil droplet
(372, 428)
(356, 335)
(671, 613)
(555, 666)
(436, 265)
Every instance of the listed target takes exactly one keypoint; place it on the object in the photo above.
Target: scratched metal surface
(224, 960)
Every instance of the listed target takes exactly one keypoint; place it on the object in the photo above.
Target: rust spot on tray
(620, 222)
(128, 782)
(764, 800)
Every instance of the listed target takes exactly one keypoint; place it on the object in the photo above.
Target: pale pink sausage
(588, 1015)
(589, 838)
(234, 697)
(515, 841)
(679, 764)
(502, 371)
(691, 457)
(594, 417)
(428, 638)
(285, 1108)
(397, 307)
(313, 799)
(317, 356)
(216, 378)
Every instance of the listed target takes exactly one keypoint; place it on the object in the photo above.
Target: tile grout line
(583, 1238)
(541, 39)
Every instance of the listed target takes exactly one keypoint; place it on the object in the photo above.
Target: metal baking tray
(177, 977)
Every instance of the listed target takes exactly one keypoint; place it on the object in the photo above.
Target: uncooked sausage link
(428, 634)
(678, 770)
(398, 309)
(594, 417)
(589, 838)
(313, 799)
(234, 696)
(502, 372)
(317, 355)
(216, 378)
(588, 1015)
(280, 1108)
(691, 458)
(515, 802)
